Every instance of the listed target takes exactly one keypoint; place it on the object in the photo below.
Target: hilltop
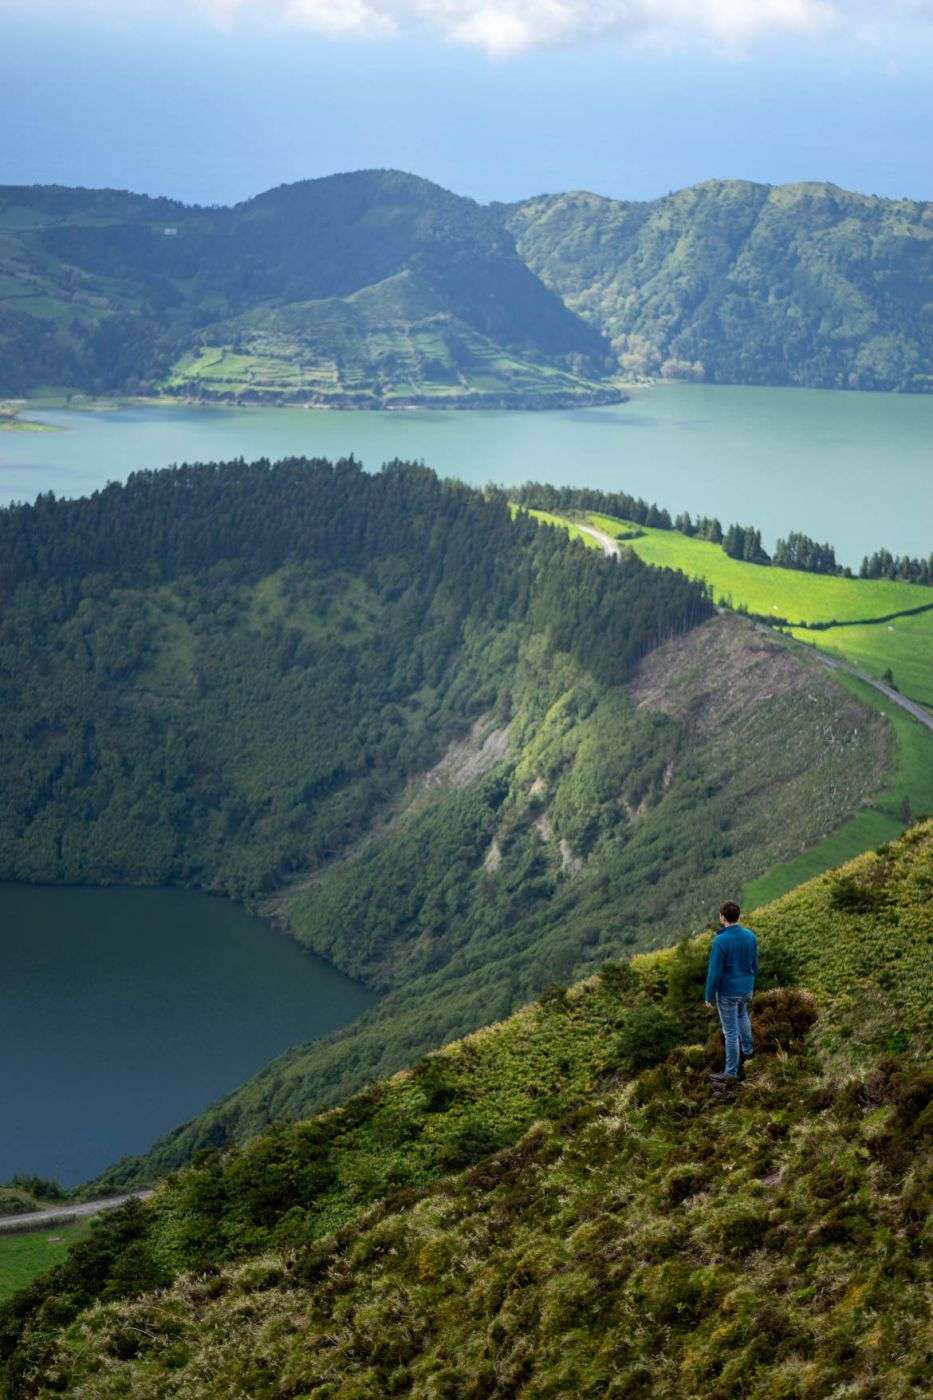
(561, 1203)
(374, 289)
(380, 289)
(739, 283)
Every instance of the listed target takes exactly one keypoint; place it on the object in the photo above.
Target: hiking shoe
(722, 1078)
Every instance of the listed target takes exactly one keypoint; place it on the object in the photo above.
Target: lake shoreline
(138, 1008)
(851, 468)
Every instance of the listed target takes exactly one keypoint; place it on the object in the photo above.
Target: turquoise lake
(125, 1012)
(852, 468)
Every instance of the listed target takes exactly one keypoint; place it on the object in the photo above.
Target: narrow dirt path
(610, 546)
(606, 543)
(67, 1210)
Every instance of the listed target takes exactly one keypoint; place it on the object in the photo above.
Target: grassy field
(790, 593)
(24, 1255)
(905, 644)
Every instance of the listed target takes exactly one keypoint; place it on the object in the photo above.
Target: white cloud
(504, 27)
(341, 17)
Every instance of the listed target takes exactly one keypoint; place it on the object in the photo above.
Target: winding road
(610, 546)
(65, 1212)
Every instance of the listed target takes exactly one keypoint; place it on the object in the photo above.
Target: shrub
(686, 975)
(554, 998)
(777, 966)
(647, 1037)
(618, 978)
(782, 1018)
(848, 896)
(431, 1076)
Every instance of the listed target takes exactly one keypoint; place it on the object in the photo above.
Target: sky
(211, 101)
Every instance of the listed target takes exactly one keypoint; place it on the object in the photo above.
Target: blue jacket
(733, 962)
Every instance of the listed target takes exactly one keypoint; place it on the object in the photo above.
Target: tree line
(884, 564)
(797, 551)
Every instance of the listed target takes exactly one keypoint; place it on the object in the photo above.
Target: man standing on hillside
(730, 981)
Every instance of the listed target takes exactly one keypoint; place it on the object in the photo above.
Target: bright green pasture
(905, 645)
(790, 593)
(25, 1255)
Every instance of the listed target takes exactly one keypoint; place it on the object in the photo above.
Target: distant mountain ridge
(381, 289)
(368, 289)
(734, 282)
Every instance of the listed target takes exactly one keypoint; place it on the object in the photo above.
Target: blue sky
(214, 100)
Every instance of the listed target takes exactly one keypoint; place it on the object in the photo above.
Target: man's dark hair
(730, 911)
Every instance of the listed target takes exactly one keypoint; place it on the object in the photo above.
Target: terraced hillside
(561, 1204)
(374, 289)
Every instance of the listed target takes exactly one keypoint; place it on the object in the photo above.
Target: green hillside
(374, 288)
(739, 283)
(378, 288)
(561, 1204)
(768, 592)
(390, 344)
(428, 739)
(902, 644)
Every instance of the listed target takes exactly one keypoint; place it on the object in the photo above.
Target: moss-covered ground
(563, 1204)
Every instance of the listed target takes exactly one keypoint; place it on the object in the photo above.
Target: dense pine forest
(214, 674)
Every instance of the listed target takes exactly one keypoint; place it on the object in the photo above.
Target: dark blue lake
(125, 1012)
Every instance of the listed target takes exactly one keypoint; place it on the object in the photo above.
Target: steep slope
(608, 819)
(113, 291)
(414, 729)
(740, 283)
(561, 1204)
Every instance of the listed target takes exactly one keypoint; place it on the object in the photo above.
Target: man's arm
(712, 972)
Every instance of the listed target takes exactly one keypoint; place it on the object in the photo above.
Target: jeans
(736, 1029)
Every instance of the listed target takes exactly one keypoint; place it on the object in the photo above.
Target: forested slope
(380, 289)
(561, 1204)
(615, 818)
(369, 289)
(415, 731)
(740, 283)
